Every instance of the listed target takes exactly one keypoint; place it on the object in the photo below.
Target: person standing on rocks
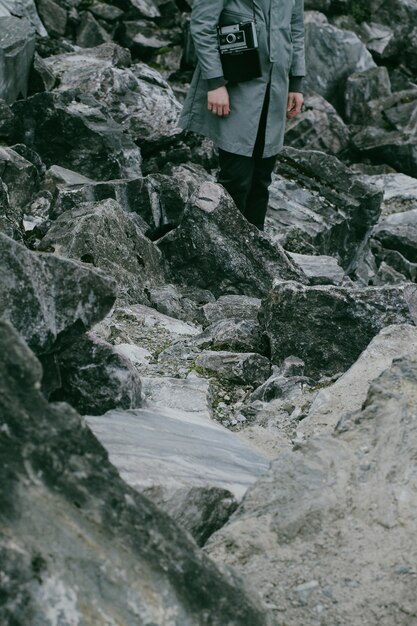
(246, 120)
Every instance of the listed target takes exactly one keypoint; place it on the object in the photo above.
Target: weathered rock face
(232, 306)
(329, 326)
(318, 126)
(136, 97)
(215, 248)
(236, 335)
(95, 378)
(326, 71)
(17, 45)
(399, 232)
(319, 205)
(363, 87)
(23, 8)
(50, 300)
(349, 392)
(129, 561)
(20, 176)
(104, 235)
(76, 132)
(328, 533)
(246, 368)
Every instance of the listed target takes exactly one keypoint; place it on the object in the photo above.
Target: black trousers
(247, 179)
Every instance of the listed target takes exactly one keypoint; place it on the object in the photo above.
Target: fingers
(294, 104)
(219, 109)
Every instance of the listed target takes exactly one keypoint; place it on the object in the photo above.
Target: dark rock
(50, 300)
(395, 260)
(90, 33)
(10, 219)
(137, 97)
(199, 510)
(399, 232)
(21, 178)
(327, 72)
(105, 236)
(380, 40)
(245, 368)
(318, 126)
(104, 11)
(95, 379)
(232, 306)
(292, 366)
(214, 247)
(6, 121)
(54, 17)
(55, 475)
(78, 133)
(144, 38)
(328, 327)
(17, 46)
(361, 88)
(394, 147)
(139, 8)
(40, 78)
(179, 302)
(234, 335)
(318, 205)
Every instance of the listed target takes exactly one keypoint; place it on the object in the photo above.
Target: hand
(295, 102)
(218, 101)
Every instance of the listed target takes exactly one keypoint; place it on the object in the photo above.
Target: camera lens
(231, 38)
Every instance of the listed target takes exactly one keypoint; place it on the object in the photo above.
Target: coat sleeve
(297, 34)
(204, 20)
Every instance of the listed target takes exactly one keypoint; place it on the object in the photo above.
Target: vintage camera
(237, 37)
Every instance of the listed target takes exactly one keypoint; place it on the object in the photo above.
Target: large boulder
(318, 126)
(137, 97)
(363, 87)
(329, 326)
(20, 176)
(23, 8)
(105, 236)
(214, 247)
(328, 533)
(77, 132)
(48, 299)
(96, 378)
(394, 147)
(319, 205)
(79, 543)
(332, 55)
(348, 393)
(17, 46)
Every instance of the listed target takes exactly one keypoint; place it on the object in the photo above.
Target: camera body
(236, 38)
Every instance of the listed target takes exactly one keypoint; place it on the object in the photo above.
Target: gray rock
(380, 40)
(137, 97)
(191, 452)
(400, 192)
(20, 177)
(245, 368)
(199, 510)
(319, 269)
(63, 503)
(318, 127)
(181, 303)
(50, 300)
(327, 72)
(145, 8)
(90, 33)
(329, 326)
(318, 205)
(190, 394)
(54, 17)
(284, 387)
(328, 532)
(90, 141)
(23, 8)
(17, 46)
(105, 236)
(232, 306)
(399, 232)
(233, 335)
(349, 392)
(143, 38)
(95, 378)
(396, 112)
(215, 248)
(363, 87)
(396, 148)
(107, 12)
(6, 121)
(57, 176)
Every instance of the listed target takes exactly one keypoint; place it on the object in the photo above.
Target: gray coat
(281, 46)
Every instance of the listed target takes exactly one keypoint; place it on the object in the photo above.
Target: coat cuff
(215, 83)
(296, 84)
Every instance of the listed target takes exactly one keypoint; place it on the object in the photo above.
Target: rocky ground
(203, 424)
